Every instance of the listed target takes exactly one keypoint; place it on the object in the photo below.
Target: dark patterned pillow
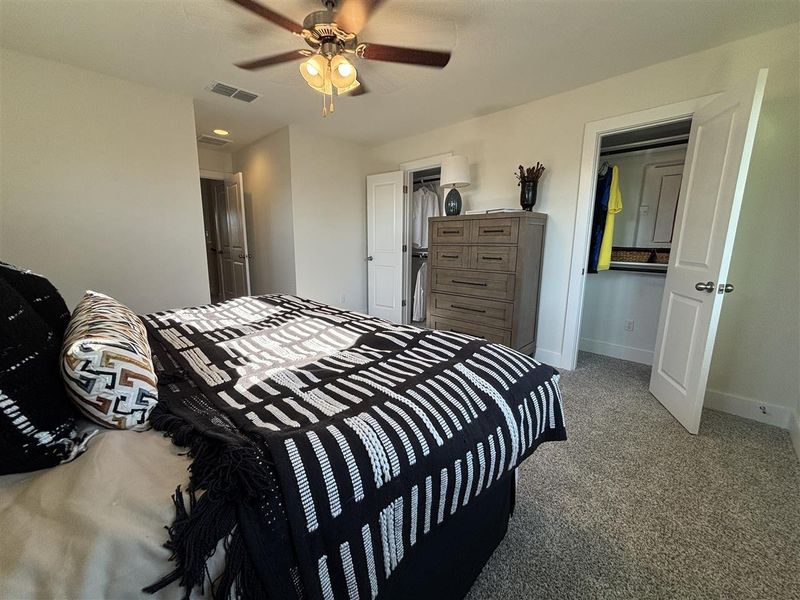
(37, 421)
(41, 295)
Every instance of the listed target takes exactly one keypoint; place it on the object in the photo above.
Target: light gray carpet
(633, 506)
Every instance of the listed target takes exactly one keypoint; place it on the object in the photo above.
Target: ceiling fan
(332, 34)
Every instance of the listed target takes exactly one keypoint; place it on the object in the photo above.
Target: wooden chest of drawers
(484, 276)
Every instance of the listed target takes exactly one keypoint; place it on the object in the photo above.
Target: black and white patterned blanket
(346, 437)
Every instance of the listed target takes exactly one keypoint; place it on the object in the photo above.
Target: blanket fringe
(222, 475)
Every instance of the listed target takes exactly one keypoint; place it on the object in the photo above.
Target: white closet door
(720, 144)
(385, 245)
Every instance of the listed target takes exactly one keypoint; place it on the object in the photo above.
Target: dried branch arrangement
(530, 174)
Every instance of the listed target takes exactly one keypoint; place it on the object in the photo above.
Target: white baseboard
(750, 408)
(549, 357)
(794, 431)
(638, 355)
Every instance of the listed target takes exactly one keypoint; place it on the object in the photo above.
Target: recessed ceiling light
(222, 132)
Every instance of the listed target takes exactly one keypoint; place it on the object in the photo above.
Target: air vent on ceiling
(212, 141)
(223, 89)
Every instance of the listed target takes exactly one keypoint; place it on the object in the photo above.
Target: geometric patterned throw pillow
(106, 364)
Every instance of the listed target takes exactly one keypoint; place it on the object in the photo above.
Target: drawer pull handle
(493, 231)
(491, 258)
(449, 255)
(477, 310)
(469, 283)
(449, 231)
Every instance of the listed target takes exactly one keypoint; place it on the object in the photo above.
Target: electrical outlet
(628, 325)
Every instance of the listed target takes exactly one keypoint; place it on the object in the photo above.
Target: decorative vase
(452, 204)
(527, 193)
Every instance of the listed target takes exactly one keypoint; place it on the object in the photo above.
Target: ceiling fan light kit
(331, 35)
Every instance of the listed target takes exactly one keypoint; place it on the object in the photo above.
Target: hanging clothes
(599, 219)
(418, 314)
(614, 208)
(424, 204)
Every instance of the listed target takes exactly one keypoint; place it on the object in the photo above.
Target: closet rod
(648, 145)
(427, 179)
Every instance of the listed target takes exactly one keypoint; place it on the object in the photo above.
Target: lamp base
(452, 203)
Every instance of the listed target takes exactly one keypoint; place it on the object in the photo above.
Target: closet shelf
(655, 268)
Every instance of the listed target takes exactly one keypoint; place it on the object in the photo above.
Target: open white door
(720, 144)
(385, 245)
(235, 257)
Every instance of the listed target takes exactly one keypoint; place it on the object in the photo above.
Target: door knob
(705, 287)
(369, 258)
(726, 288)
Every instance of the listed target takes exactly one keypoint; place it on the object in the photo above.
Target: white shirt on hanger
(425, 203)
(418, 314)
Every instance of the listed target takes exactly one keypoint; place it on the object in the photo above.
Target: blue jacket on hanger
(599, 219)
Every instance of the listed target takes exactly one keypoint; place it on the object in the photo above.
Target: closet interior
(636, 198)
(425, 200)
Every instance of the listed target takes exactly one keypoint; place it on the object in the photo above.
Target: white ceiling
(505, 52)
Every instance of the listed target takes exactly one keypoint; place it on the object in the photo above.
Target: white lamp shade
(455, 172)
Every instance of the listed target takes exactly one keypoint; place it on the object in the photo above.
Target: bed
(330, 455)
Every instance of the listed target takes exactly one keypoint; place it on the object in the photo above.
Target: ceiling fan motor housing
(322, 33)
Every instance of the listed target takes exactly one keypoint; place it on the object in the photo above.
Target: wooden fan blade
(267, 61)
(269, 15)
(353, 14)
(408, 56)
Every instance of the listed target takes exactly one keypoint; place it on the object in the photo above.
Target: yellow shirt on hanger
(614, 207)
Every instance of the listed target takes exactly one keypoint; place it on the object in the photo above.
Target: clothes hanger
(604, 168)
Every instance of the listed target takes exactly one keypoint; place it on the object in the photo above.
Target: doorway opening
(423, 201)
(225, 228)
(211, 190)
(633, 217)
(398, 206)
(707, 210)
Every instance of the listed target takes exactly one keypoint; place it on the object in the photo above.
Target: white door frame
(409, 168)
(593, 132)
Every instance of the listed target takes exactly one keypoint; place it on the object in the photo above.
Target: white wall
(214, 160)
(266, 169)
(757, 354)
(329, 204)
(305, 197)
(757, 351)
(99, 186)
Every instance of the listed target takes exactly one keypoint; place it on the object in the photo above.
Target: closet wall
(620, 314)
